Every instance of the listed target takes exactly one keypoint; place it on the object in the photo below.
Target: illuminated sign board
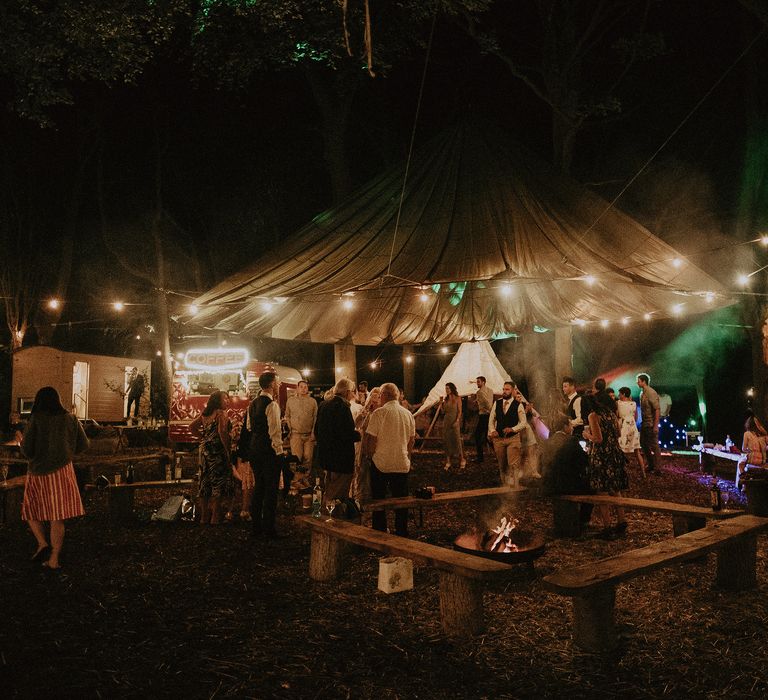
(216, 359)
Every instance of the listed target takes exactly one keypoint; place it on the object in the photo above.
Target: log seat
(461, 575)
(593, 586)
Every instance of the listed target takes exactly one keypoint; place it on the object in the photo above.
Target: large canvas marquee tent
(486, 241)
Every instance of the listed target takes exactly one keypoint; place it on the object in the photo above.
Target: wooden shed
(93, 386)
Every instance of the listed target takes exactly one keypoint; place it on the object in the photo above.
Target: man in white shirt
(573, 411)
(388, 441)
(507, 420)
(300, 415)
(484, 398)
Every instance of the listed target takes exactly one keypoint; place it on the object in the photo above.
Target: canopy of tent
(472, 360)
(489, 241)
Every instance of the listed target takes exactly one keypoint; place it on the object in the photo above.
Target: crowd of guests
(362, 441)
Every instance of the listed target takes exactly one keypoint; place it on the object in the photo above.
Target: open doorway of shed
(80, 376)
(127, 379)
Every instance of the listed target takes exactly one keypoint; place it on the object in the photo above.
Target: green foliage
(48, 47)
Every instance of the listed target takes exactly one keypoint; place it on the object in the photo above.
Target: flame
(503, 531)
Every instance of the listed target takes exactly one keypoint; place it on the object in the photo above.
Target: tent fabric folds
(490, 241)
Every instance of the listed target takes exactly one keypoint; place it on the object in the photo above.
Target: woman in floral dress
(216, 473)
(607, 463)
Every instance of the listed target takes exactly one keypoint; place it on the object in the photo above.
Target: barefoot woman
(52, 438)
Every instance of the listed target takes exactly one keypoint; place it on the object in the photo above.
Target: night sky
(243, 167)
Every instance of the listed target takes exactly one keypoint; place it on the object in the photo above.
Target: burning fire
(503, 541)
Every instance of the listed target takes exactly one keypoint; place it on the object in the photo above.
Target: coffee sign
(216, 359)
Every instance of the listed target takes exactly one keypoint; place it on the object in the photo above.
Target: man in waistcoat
(573, 409)
(506, 422)
(266, 452)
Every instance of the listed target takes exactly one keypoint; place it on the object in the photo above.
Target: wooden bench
(438, 499)
(121, 497)
(593, 586)
(11, 497)
(461, 575)
(685, 518)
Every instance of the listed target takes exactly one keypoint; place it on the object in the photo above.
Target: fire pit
(505, 542)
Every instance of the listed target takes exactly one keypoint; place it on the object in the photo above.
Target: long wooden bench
(121, 497)
(461, 575)
(438, 499)
(593, 586)
(685, 518)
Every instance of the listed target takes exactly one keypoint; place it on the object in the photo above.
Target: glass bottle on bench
(177, 469)
(317, 498)
(716, 496)
(129, 475)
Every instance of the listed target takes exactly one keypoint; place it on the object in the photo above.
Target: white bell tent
(473, 359)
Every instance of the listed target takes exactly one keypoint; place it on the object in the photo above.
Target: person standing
(506, 422)
(336, 438)
(573, 410)
(52, 438)
(452, 442)
(389, 439)
(649, 427)
(630, 437)
(484, 398)
(135, 392)
(266, 454)
(300, 415)
(607, 463)
(212, 426)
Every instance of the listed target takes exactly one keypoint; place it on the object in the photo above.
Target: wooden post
(736, 564)
(409, 374)
(461, 605)
(326, 558)
(683, 523)
(566, 516)
(345, 361)
(593, 627)
(563, 353)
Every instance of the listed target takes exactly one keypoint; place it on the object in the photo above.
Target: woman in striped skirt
(52, 438)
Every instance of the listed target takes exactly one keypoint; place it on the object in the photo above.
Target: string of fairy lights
(428, 292)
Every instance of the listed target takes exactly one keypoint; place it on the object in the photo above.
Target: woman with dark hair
(754, 444)
(607, 464)
(452, 427)
(212, 426)
(52, 438)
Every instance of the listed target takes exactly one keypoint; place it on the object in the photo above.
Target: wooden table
(710, 454)
(121, 496)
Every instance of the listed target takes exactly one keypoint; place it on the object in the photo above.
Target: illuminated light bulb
(193, 308)
(590, 279)
(339, 370)
(372, 365)
(266, 305)
(646, 316)
(743, 280)
(750, 393)
(408, 359)
(138, 337)
(505, 290)
(306, 372)
(580, 322)
(347, 304)
(605, 323)
(223, 343)
(677, 309)
(709, 297)
(444, 351)
(54, 304)
(118, 306)
(424, 296)
(625, 321)
(159, 353)
(677, 262)
(764, 240)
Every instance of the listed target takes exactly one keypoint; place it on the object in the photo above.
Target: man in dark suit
(336, 438)
(564, 465)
